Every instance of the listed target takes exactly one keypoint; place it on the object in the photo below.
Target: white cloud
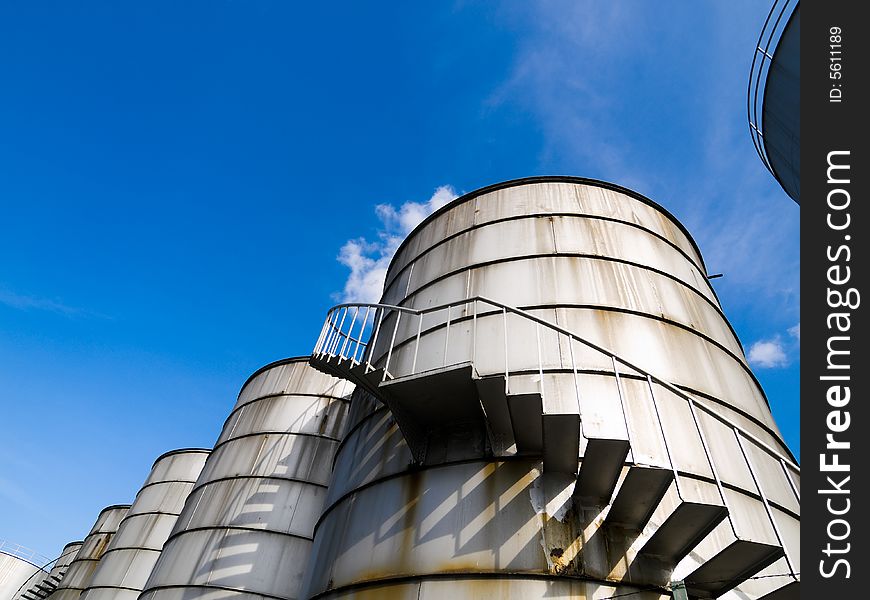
(795, 332)
(368, 261)
(768, 354)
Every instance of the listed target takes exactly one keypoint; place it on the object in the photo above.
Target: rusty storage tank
(81, 568)
(550, 402)
(17, 565)
(135, 548)
(43, 582)
(246, 528)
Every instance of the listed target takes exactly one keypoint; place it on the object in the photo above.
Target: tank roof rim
(273, 364)
(549, 179)
(180, 451)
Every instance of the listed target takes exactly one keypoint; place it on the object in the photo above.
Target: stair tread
(730, 567)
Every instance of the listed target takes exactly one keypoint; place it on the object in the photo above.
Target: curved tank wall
(81, 568)
(782, 108)
(616, 269)
(245, 531)
(131, 555)
(42, 583)
(14, 572)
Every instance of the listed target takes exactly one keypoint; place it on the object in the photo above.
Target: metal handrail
(23, 552)
(332, 336)
(762, 58)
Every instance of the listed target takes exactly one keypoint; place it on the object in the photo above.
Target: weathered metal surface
(81, 569)
(616, 270)
(131, 555)
(14, 572)
(245, 530)
(43, 582)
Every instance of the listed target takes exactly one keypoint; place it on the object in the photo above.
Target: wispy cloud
(795, 332)
(677, 133)
(23, 302)
(26, 302)
(368, 261)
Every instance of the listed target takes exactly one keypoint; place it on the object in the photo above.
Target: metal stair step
(493, 399)
(438, 396)
(683, 530)
(561, 442)
(599, 470)
(638, 496)
(525, 411)
(729, 568)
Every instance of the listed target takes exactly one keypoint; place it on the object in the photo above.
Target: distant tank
(131, 555)
(245, 531)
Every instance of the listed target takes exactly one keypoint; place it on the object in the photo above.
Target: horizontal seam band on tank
(603, 308)
(276, 433)
(174, 586)
(182, 532)
(283, 395)
(606, 185)
(137, 548)
(161, 482)
(271, 477)
(525, 257)
(523, 216)
(491, 575)
(359, 424)
(147, 513)
(111, 587)
(531, 458)
(689, 390)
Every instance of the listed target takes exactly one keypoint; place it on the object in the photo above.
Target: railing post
(655, 404)
(349, 333)
(362, 331)
(764, 501)
(392, 345)
(506, 373)
(417, 342)
(620, 392)
(712, 465)
(327, 343)
(540, 361)
(338, 332)
(446, 337)
(791, 482)
(374, 343)
(576, 379)
(323, 331)
(473, 332)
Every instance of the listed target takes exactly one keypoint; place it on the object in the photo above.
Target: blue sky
(186, 186)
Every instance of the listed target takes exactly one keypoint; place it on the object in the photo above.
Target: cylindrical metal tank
(42, 583)
(575, 403)
(17, 565)
(245, 531)
(131, 555)
(81, 568)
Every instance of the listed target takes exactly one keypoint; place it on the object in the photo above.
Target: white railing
(23, 552)
(762, 58)
(351, 332)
